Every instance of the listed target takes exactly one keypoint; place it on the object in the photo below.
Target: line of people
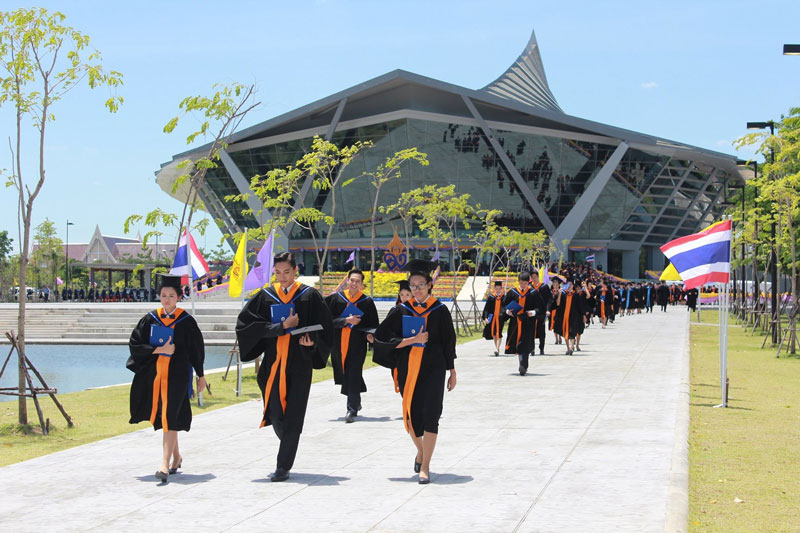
(532, 307)
(296, 330)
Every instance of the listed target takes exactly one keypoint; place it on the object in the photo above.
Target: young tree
(49, 254)
(386, 171)
(220, 113)
(404, 208)
(42, 60)
(323, 164)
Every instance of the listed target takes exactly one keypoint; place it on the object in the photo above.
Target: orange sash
(161, 382)
(521, 302)
(346, 330)
(281, 356)
(496, 318)
(565, 322)
(414, 363)
(603, 305)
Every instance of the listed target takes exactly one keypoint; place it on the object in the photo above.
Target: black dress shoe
(541, 351)
(280, 474)
(162, 476)
(424, 480)
(522, 370)
(175, 470)
(350, 417)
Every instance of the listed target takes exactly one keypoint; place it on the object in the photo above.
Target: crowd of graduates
(566, 304)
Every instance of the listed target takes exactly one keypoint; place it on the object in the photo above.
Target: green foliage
(5, 246)
(773, 197)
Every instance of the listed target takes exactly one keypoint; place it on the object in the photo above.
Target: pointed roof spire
(525, 80)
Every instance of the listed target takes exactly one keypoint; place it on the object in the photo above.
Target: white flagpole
(723, 341)
(194, 313)
(244, 294)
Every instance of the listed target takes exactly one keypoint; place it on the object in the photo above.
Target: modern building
(594, 188)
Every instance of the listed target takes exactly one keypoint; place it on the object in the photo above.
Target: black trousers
(287, 450)
(353, 380)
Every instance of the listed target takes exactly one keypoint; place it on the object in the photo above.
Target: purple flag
(351, 258)
(436, 256)
(261, 274)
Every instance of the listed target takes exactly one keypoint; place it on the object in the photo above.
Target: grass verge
(103, 413)
(744, 466)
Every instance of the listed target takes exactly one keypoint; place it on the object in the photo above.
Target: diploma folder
(514, 307)
(280, 312)
(306, 329)
(160, 334)
(351, 310)
(412, 325)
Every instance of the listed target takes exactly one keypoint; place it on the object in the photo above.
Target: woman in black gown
(163, 374)
(420, 369)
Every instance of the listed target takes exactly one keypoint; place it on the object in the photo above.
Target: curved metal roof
(525, 80)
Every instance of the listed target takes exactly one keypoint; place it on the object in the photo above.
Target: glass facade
(649, 197)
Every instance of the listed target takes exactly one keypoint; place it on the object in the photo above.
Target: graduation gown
(569, 314)
(604, 303)
(293, 368)
(522, 328)
(161, 384)
(423, 397)
(350, 342)
(493, 307)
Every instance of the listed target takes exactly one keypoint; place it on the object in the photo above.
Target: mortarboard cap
(165, 280)
(419, 265)
(403, 285)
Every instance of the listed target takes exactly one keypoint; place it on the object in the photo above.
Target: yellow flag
(670, 274)
(239, 269)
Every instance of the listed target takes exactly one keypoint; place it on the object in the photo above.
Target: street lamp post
(773, 274)
(69, 278)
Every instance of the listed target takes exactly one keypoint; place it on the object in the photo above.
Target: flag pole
(723, 337)
(244, 294)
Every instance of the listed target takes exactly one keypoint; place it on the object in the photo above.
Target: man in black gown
(285, 373)
(349, 348)
(521, 324)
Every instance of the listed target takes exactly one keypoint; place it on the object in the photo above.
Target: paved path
(582, 443)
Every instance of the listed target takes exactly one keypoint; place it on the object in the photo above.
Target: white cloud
(648, 85)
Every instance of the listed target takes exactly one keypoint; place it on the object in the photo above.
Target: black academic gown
(438, 356)
(350, 375)
(189, 354)
(570, 308)
(521, 327)
(257, 334)
(604, 300)
(494, 329)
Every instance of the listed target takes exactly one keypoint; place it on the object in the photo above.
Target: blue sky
(689, 71)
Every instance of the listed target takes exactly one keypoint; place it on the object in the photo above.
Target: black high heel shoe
(175, 469)
(417, 466)
(162, 476)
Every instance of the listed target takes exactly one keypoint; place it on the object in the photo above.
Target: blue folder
(160, 334)
(412, 325)
(280, 312)
(351, 310)
(513, 307)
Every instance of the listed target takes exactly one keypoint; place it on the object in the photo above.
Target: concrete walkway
(593, 442)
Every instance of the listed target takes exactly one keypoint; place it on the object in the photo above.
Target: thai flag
(590, 258)
(703, 257)
(188, 260)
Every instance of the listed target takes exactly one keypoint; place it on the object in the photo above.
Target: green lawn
(102, 413)
(745, 460)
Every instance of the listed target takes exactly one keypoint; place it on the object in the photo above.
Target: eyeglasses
(418, 287)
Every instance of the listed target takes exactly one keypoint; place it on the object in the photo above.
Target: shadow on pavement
(451, 479)
(179, 479)
(300, 478)
(360, 418)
